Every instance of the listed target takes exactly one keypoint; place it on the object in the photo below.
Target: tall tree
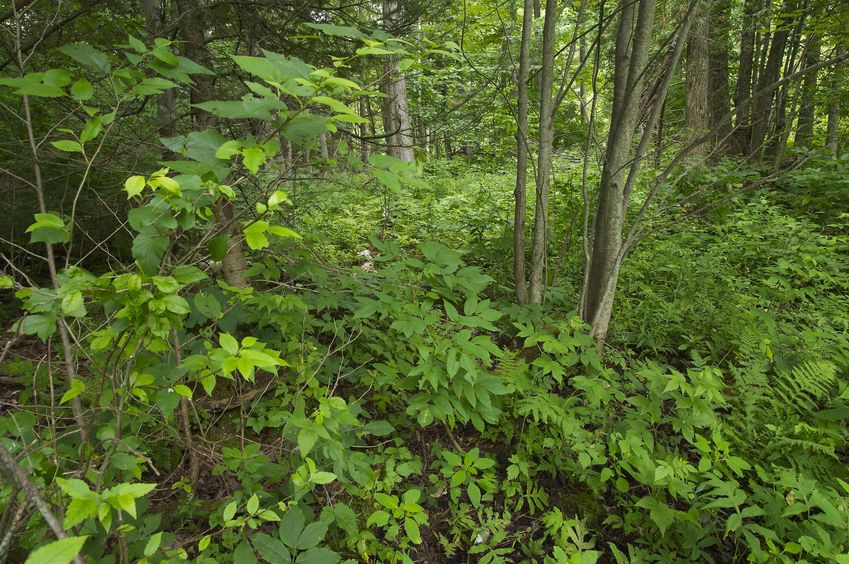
(522, 153)
(396, 112)
(544, 155)
(697, 113)
(622, 164)
(192, 26)
(745, 76)
(718, 54)
(807, 104)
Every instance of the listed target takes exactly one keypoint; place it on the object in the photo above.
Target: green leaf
(322, 477)
(57, 552)
(379, 518)
(244, 554)
(306, 440)
(148, 250)
(6, 282)
(250, 107)
(281, 231)
(253, 504)
(255, 235)
(87, 55)
(229, 511)
(474, 495)
(229, 343)
(68, 146)
(274, 551)
(412, 530)
(183, 390)
(204, 543)
(318, 555)
(79, 510)
(312, 535)
(291, 526)
(77, 387)
(153, 544)
(253, 158)
(75, 488)
(379, 428)
(48, 228)
(333, 104)
(134, 185)
(218, 246)
(40, 325)
(73, 304)
(82, 90)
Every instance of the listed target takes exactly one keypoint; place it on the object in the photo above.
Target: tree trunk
(805, 124)
(763, 102)
(363, 132)
(834, 105)
(697, 78)
(546, 143)
(520, 192)
(720, 93)
(743, 89)
(630, 61)
(396, 115)
(155, 12)
(192, 28)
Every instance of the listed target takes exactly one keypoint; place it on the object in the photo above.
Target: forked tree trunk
(192, 28)
(546, 143)
(396, 114)
(521, 190)
(631, 55)
(609, 249)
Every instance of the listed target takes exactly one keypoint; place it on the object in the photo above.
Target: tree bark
(156, 19)
(807, 106)
(546, 145)
(697, 78)
(743, 89)
(396, 114)
(522, 153)
(720, 93)
(609, 249)
(631, 56)
(834, 105)
(192, 28)
(762, 101)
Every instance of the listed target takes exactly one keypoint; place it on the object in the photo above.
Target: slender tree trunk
(363, 132)
(697, 117)
(807, 105)
(396, 115)
(629, 65)
(520, 192)
(546, 143)
(192, 28)
(775, 145)
(743, 89)
(834, 106)
(720, 93)
(763, 102)
(155, 12)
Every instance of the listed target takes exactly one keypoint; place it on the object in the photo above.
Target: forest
(497, 281)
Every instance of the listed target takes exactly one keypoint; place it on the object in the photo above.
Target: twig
(8, 463)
